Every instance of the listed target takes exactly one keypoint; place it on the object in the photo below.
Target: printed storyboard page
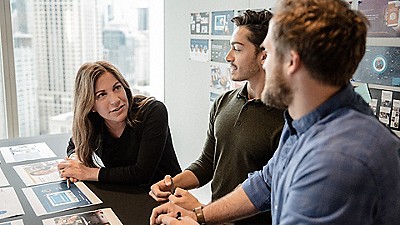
(19, 153)
(39, 173)
(3, 179)
(14, 222)
(101, 216)
(9, 203)
(57, 197)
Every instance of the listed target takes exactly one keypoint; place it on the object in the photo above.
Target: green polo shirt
(242, 136)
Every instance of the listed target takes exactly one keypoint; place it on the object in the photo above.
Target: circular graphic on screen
(393, 16)
(379, 64)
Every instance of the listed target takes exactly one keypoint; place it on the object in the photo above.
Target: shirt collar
(243, 93)
(346, 97)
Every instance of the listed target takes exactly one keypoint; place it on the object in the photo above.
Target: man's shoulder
(227, 97)
(229, 94)
(352, 134)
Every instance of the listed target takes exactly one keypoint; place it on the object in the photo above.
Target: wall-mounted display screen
(380, 65)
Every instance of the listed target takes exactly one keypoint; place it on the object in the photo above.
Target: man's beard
(276, 92)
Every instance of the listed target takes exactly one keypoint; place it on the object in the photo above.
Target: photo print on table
(19, 153)
(39, 173)
(97, 217)
(56, 197)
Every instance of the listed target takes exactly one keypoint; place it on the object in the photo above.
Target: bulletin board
(386, 106)
(380, 66)
(210, 34)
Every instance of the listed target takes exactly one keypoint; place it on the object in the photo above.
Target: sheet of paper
(3, 179)
(56, 197)
(39, 173)
(19, 153)
(363, 90)
(386, 107)
(9, 203)
(14, 222)
(100, 216)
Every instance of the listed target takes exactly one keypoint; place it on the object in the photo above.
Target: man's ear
(263, 57)
(294, 62)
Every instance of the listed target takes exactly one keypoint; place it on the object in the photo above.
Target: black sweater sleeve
(70, 148)
(154, 136)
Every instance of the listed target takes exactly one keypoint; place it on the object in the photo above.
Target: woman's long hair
(87, 125)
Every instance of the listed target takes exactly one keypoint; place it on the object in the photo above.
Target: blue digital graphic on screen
(380, 65)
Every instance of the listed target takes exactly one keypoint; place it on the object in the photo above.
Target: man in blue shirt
(336, 163)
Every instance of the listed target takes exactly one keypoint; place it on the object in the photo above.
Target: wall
(186, 81)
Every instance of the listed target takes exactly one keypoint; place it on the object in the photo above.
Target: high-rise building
(27, 98)
(65, 33)
(126, 42)
(61, 123)
(25, 76)
(119, 49)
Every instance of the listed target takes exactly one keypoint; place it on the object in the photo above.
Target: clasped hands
(178, 209)
(74, 170)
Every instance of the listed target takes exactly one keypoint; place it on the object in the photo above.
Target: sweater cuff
(200, 174)
(101, 174)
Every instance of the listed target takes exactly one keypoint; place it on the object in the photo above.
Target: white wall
(187, 82)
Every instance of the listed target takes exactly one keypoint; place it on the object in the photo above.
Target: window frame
(10, 93)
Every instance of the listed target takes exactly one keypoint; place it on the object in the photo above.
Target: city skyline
(53, 38)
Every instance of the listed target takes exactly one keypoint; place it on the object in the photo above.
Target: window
(51, 39)
(3, 127)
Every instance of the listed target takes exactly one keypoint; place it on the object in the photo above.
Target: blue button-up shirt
(336, 165)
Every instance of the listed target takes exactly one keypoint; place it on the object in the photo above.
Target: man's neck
(310, 98)
(255, 87)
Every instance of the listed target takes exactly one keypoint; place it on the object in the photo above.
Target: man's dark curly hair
(256, 23)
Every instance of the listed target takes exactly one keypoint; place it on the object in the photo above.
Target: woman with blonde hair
(116, 137)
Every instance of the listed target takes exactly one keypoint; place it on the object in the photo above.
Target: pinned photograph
(221, 23)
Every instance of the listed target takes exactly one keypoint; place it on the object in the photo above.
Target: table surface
(131, 204)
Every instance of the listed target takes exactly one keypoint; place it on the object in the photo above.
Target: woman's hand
(74, 170)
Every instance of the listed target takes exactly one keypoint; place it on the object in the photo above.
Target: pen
(68, 181)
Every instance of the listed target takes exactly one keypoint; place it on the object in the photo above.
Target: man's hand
(169, 220)
(170, 213)
(161, 190)
(184, 199)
